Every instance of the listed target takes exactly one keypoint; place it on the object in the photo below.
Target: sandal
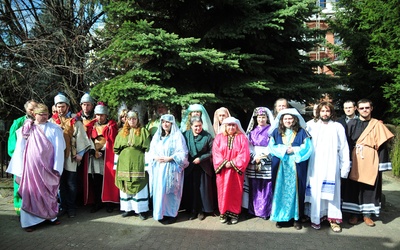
(223, 218)
(316, 226)
(336, 228)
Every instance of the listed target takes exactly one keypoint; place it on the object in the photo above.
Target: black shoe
(297, 225)
(192, 216)
(128, 213)
(171, 220)
(278, 225)
(109, 209)
(71, 214)
(143, 216)
(96, 208)
(201, 216)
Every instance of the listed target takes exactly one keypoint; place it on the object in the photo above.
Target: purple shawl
(39, 182)
(260, 136)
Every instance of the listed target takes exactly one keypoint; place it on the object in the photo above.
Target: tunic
(234, 149)
(38, 161)
(359, 197)
(328, 162)
(167, 177)
(289, 173)
(257, 196)
(199, 189)
(130, 177)
(105, 164)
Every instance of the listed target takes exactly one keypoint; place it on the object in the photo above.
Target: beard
(325, 119)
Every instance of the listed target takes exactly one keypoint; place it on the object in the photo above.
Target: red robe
(110, 191)
(230, 180)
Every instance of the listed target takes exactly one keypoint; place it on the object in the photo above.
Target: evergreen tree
(370, 46)
(233, 53)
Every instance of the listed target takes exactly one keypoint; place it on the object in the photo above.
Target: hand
(196, 161)
(163, 159)
(228, 165)
(289, 150)
(78, 158)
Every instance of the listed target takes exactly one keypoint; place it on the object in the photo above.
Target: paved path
(102, 230)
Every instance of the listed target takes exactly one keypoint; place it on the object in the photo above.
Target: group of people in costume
(281, 168)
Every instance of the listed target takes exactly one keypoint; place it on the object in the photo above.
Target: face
(41, 118)
(87, 107)
(101, 118)
(162, 110)
(262, 120)
(195, 113)
(166, 125)
(197, 127)
(365, 110)
(132, 121)
(280, 105)
(62, 109)
(231, 128)
(221, 116)
(123, 119)
(288, 121)
(29, 109)
(325, 114)
(349, 109)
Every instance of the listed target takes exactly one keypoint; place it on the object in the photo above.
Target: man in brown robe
(367, 139)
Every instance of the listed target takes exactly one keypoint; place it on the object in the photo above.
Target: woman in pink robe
(231, 156)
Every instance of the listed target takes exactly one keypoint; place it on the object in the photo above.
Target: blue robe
(167, 178)
(289, 175)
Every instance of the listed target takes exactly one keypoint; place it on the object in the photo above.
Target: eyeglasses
(362, 108)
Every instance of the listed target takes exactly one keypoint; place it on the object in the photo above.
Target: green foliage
(216, 52)
(371, 48)
(395, 151)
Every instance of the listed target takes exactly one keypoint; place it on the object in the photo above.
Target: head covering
(234, 120)
(207, 125)
(174, 128)
(289, 111)
(101, 109)
(260, 111)
(132, 114)
(61, 98)
(87, 98)
(216, 121)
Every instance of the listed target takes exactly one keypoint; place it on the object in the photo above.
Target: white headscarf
(289, 111)
(174, 128)
(236, 121)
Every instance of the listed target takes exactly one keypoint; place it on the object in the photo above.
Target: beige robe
(365, 157)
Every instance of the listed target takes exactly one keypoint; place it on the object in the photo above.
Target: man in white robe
(329, 161)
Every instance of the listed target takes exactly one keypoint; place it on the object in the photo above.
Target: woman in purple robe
(37, 163)
(257, 196)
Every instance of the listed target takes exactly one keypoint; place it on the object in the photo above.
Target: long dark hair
(295, 126)
(325, 104)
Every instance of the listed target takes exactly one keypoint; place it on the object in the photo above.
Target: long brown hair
(295, 126)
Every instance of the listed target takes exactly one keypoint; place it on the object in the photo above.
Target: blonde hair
(41, 108)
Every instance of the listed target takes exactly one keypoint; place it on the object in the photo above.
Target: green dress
(130, 175)
(12, 140)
